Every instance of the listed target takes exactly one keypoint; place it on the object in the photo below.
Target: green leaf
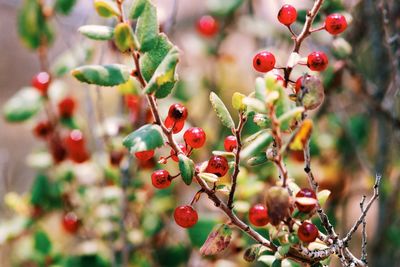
(124, 38)
(227, 155)
(217, 241)
(257, 146)
(147, 137)
(42, 243)
(257, 160)
(32, 26)
(23, 105)
(187, 168)
(64, 6)
(222, 112)
(255, 104)
(284, 249)
(277, 263)
(147, 28)
(290, 115)
(137, 8)
(40, 189)
(164, 77)
(106, 8)
(97, 32)
(151, 59)
(103, 75)
(71, 59)
(208, 177)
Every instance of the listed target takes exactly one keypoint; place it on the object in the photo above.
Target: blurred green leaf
(103, 75)
(223, 8)
(42, 243)
(97, 32)
(32, 26)
(147, 137)
(222, 112)
(64, 6)
(171, 256)
(199, 232)
(22, 105)
(147, 28)
(257, 146)
(186, 167)
(106, 8)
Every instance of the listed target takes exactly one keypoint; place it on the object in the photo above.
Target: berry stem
(238, 134)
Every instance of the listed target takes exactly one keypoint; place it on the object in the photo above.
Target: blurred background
(356, 133)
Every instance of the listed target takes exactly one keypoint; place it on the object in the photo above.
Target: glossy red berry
(287, 15)
(307, 232)
(66, 107)
(258, 215)
(264, 61)
(173, 154)
(230, 143)
(144, 155)
(185, 216)
(317, 61)
(177, 112)
(302, 205)
(335, 24)
(217, 165)
(75, 144)
(41, 82)
(70, 222)
(160, 179)
(195, 137)
(177, 125)
(207, 26)
(43, 129)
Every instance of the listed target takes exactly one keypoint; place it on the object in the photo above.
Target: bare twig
(364, 234)
(238, 134)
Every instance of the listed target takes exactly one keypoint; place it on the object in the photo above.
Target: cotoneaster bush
(282, 222)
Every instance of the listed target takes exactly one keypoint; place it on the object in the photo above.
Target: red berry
(185, 216)
(41, 82)
(144, 155)
(207, 26)
(75, 143)
(70, 222)
(264, 61)
(178, 125)
(177, 112)
(317, 61)
(160, 179)
(43, 129)
(116, 157)
(287, 15)
(217, 165)
(299, 83)
(66, 107)
(307, 232)
(57, 149)
(174, 156)
(306, 193)
(258, 215)
(230, 143)
(335, 24)
(279, 78)
(195, 137)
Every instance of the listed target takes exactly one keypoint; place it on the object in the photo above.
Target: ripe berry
(307, 232)
(287, 15)
(299, 83)
(335, 24)
(317, 61)
(160, 179)
(66, 107)
(144, 155)
(185, 216)
(174, 156)
(258, 215)
(306, 193)
(195, 137)
(178, 125)
(217, 165)
(57, 149)
(207, 26)
(230, 143)
(177, 112)
(70, 222)
(75, 143)
(43, 129)
(264, 61)
(41, 82)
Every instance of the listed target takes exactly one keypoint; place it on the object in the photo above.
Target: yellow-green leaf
(237, 101)
(222, 112)
(106, 8)
(124, 37)
(103, 75)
